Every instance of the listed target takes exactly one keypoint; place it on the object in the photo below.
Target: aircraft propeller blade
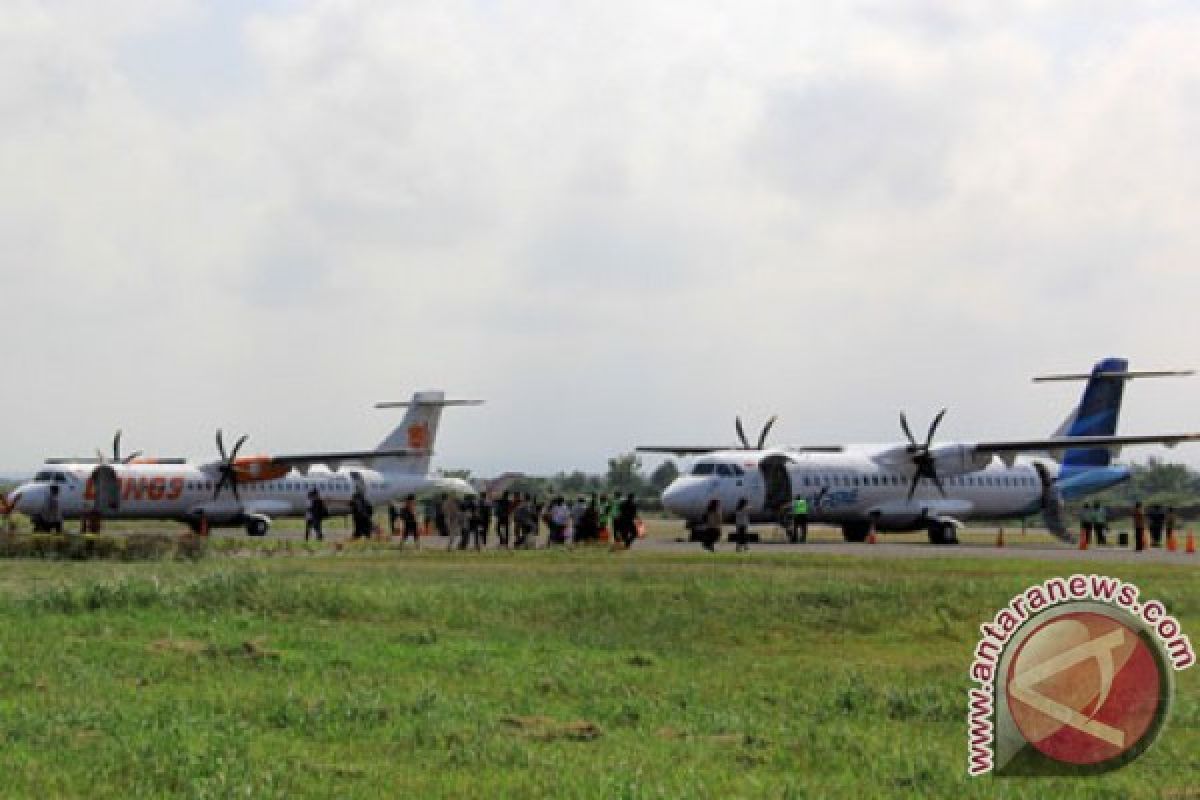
(924, 464)
(907, 431)
(741, 432)
(933, 428)
(227, 468)
(762, 437)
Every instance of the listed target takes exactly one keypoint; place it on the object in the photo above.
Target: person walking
(483, 514)
(408, 521)
(741, 526)
(589, 523)
(711, 532)
(522, 520)
(315, 515)
(560, 521)
(435, 514)
(626, 523)
(361, 514)
(1170, 523)
(470, 520)
(1139, 526)
(450, 518)
(504, 512)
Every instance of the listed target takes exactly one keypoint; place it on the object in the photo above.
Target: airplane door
(777, 483)
(106, 491)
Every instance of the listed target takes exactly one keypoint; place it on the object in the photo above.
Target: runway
(968, 550)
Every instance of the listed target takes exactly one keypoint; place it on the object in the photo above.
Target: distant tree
(662, 477)
(625, 474)
(577, 481)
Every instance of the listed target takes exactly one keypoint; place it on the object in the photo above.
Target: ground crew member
(1085, 522)
(1100, 523)
(799, 528)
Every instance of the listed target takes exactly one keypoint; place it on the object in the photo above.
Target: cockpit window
(737, 470)
(43, 477)
(723, 470)
(704, 469)
(60, 478)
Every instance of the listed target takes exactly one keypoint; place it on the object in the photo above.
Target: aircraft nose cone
(685, 497)
(27, 499)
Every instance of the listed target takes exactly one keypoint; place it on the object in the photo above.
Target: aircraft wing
(1058, 443)
(685, 449)
(309, 459)
(696, 450)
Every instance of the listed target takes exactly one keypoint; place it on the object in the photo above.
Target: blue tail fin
(1096, 414)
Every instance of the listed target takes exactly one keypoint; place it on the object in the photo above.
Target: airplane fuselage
(853, 488)
(184, 492)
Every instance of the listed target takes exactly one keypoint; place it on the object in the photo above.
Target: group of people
(1156, 521)
(1151, 526)
(468, 521)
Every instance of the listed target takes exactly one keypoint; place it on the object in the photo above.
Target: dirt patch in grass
(547, 729)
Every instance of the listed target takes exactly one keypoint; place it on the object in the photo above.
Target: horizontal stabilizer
(347, 455)
(1127, 375)
(428, 403)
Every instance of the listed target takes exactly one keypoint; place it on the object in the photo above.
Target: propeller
(921, 454)
(762, 436)
(227, 472)
(116, 453)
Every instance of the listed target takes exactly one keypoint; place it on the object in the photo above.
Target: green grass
(564, 674)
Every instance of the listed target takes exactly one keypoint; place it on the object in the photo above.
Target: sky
(617, 222)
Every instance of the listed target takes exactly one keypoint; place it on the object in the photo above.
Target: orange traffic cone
(1000, 538)
(1190, 546)
(871, 537)
(1083, 540)
(1171, 546)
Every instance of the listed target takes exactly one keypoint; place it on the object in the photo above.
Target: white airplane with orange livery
(246, 491)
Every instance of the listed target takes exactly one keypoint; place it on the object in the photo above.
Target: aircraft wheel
(942, 533)
(855, 532)
(256, 527)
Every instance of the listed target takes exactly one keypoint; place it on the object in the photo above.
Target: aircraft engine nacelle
(959, 459)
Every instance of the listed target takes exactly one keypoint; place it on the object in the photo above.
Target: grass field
(564, 674)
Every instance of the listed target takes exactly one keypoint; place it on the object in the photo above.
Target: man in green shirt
(799, 527)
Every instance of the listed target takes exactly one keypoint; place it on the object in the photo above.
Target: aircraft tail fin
(416, 431)
(1099, 409)
(1097, 414)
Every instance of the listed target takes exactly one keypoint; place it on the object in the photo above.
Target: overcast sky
(618, 222)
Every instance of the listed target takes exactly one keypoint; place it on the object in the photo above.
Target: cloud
(619, 222)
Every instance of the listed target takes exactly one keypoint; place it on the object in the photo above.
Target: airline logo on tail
(418, 436)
